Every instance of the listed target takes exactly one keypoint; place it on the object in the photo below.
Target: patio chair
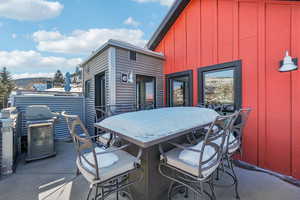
(190, 166)
(234, 144)
(104, 169)
(103, 112)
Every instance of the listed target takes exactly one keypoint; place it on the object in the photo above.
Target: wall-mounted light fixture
(130, 77)
(288, 64)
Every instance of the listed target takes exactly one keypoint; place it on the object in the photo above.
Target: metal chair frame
(188, 181)
(103, 188)
(238, 125)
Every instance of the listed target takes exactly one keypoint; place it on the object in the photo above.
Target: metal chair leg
(218, 175)
(96, 191)
(170, 190)
(89, 192)
(186, 193)
(102, 194)
(237, 196)
(117, 193)
(212, 188)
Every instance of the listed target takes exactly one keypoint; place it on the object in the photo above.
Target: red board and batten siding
(258, 32)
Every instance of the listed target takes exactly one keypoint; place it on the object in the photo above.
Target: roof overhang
(167, 22)
(123, 45)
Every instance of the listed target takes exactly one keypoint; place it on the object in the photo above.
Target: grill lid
(39, 112)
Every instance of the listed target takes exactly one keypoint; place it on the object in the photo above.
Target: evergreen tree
(58, 80)
(7, 80)
(6, 86)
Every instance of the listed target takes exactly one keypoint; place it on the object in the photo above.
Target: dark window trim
(237, 66)
(179, 74)
(87, 86)
(154, 77)
(95, 87)
(132, 55)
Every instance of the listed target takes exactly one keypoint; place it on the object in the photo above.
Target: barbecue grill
(40, 123)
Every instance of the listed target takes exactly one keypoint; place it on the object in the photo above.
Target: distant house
(119, 73)
(39, 83)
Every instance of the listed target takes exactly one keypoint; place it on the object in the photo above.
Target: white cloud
(47, 35)
(14, 36)
(33, 75)
(162, 2)
(32, 10)
(19, 62)
(84, 41)
(132, 22)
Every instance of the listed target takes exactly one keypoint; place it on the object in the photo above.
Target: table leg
(153, 186)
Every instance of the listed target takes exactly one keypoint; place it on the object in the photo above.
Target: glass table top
(147, 126)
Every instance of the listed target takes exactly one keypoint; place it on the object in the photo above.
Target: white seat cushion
(103, 160)
(188, 161)
(214, 129)
(124, 163)
(233, 143)
(104, 138)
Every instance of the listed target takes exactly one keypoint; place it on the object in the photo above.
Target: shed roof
(123, 45)
(177, 7)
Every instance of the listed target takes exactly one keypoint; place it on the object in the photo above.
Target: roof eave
(124, 45)
(167, 22)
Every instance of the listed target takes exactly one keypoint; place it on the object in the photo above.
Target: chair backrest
(216, 140)
(239, 125)
(83, 144)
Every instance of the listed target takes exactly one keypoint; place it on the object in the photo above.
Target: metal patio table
(149, 128)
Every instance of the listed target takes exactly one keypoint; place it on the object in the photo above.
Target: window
(87, 88)
(221, 84)
(145, 91)
(132, 55)
(179, 88)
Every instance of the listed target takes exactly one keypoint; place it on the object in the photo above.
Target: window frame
(188, 73)
(154, 82)
(87, 86)
(132, 55)
(237, 68)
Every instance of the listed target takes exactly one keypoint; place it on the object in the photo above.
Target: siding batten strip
(112, 75)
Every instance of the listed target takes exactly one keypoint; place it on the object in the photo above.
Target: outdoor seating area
(203, 108)
(143, 152)
(54, 179)
(157, 153)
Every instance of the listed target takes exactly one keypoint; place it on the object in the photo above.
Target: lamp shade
(130, 77)
(288, 64)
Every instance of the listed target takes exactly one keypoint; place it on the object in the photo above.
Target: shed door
(100, 90)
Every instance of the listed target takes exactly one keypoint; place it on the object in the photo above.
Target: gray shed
(119, 73)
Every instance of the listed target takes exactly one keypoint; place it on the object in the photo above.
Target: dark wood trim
(188, 73)
(237, 66)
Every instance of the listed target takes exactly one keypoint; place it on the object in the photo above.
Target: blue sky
(38, 37)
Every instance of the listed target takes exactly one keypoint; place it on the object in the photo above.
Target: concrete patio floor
(53, 178)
